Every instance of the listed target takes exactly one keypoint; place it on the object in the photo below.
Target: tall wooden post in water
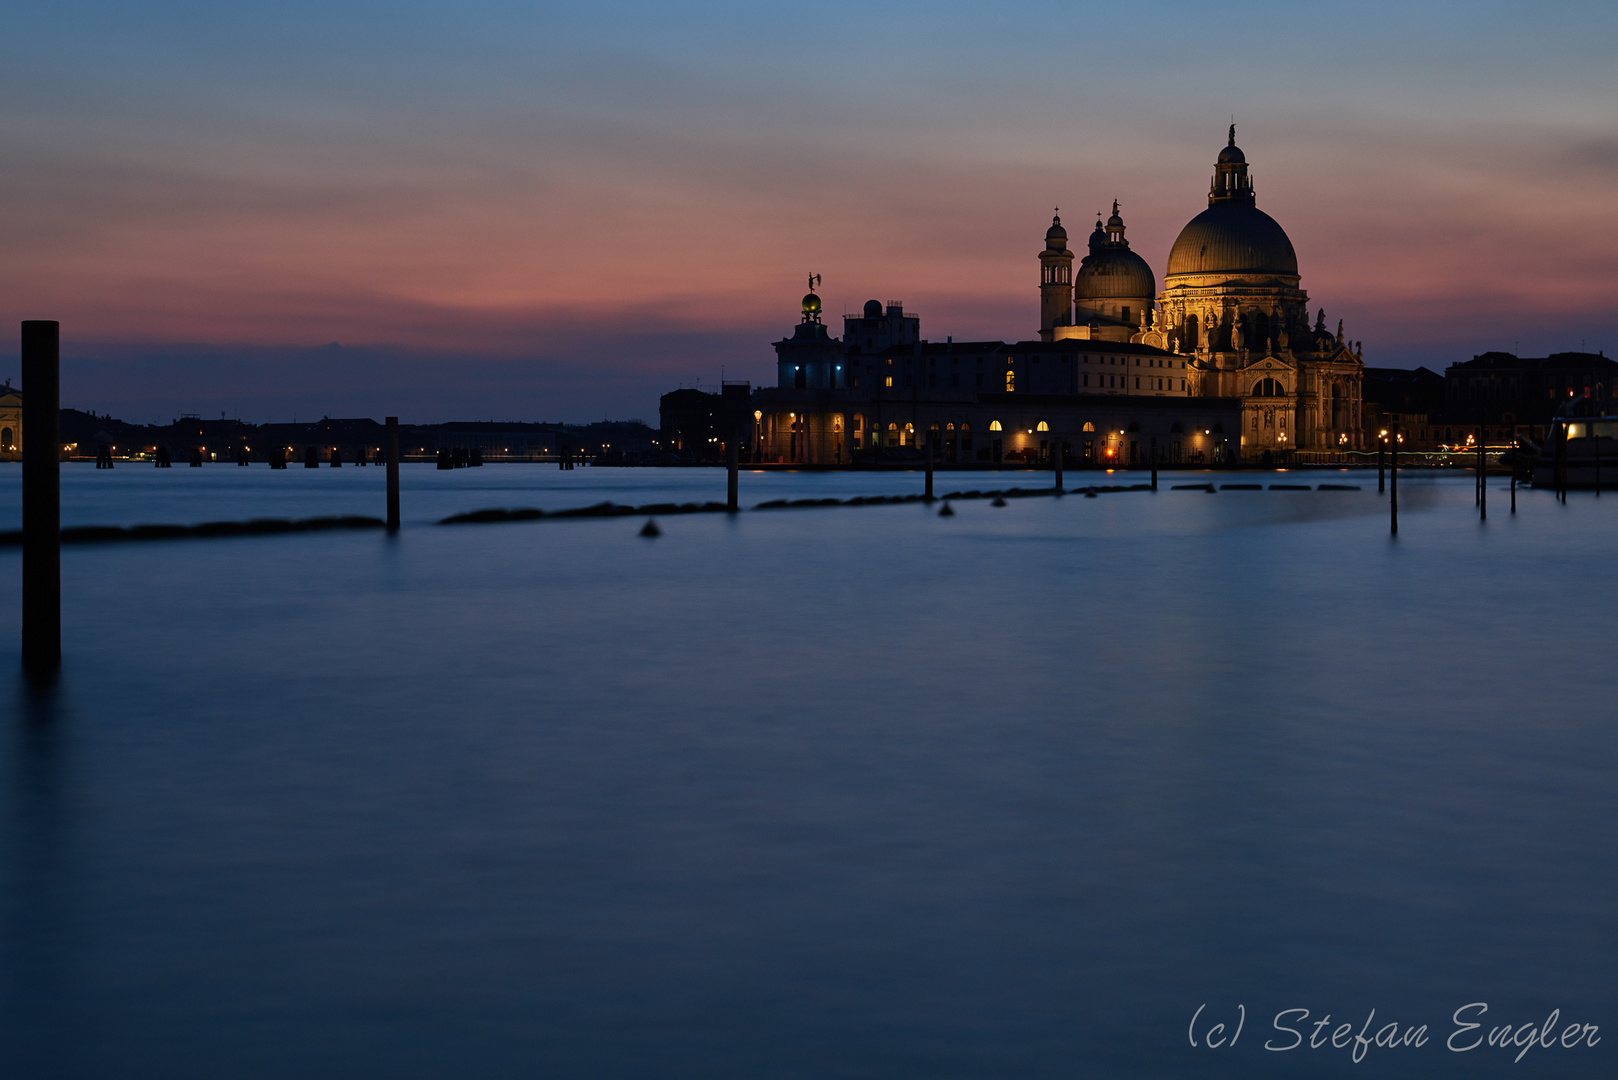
(1393, 476)
(930, 465)
(1483, 478)
(393, 473)
(733, 460)
(1381, 449)
(41, 497)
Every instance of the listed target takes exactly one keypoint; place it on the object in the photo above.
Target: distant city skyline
(561, 212)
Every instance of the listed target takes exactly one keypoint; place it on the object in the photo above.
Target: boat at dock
(1581, 447)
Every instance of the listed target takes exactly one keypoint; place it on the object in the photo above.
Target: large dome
(1113, 273)
(1233, 237)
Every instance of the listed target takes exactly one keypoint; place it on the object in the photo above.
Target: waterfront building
(1517, 396)
(1230, 325)
(882, 391)
(1233, 304)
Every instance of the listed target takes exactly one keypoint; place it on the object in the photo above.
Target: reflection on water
(856, 791)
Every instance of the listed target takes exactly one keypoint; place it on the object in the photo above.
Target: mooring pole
(1514, 487)
(393, 473)
(1393, 495)
(41, 497)
(1154, 468)
(1058, 444)
(1381, 449)
(1560, 459)
(929, 495)
(1483, 482)
(1594, 437)
(733, 459)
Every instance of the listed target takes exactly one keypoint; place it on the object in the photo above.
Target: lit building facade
(1229, 327)
(1232, 304)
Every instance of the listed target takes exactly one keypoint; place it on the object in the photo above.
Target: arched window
(1268, 387)
(799, 378)
(949, 427)
(1011, 381)
(994, 425)
(893, 427)
(1089, 426)
(5, 438)
(1042, 426)
(1190, 332)
(966, 427)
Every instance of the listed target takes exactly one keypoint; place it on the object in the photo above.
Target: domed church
(1230, 304)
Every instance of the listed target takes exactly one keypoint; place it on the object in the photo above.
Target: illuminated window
(1042, 426)
(1011, 381)
(890, 380)
(994, 425)
(1089, 426)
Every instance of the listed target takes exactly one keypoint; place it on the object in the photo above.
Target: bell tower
(1055, 281)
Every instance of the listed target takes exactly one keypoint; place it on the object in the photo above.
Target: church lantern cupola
(1230, 180)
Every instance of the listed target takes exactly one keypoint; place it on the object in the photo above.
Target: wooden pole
(393, 473)
(1381, 449)
(929, 452)
(1594, 437)
(1483, 478)
(1154, 468)
(1513, 487)
(1393, 473)
(1058, 444)
(1560, 459)
(41, 497)
(733, 458)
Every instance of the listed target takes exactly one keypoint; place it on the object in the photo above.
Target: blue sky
(560, 211)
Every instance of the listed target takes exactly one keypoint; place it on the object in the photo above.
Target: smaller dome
(1232, 155)
(1114, 273)
(1056, 232)
(873, 309)
(811, 304)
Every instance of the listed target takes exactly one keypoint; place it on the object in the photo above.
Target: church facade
(1232, 304)
(1227, 337)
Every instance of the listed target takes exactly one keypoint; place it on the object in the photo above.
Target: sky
(548, 211)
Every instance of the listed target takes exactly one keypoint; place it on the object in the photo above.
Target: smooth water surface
(856, 792)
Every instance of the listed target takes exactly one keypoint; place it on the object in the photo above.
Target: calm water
(856, 792)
